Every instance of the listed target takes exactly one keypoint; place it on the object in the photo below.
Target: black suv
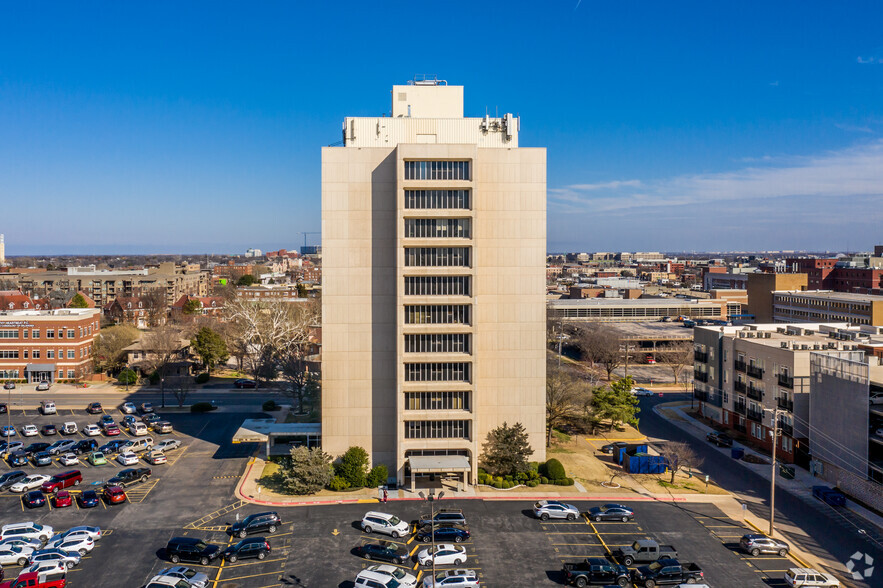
(385, 552)
(85, 446)
(444, 533)
(10, 478)
(129, 476)
(191, 549)
(719, 439)
(445, 515)
(256, 523)
(255, 547)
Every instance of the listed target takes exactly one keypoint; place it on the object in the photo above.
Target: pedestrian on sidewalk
(385, 495)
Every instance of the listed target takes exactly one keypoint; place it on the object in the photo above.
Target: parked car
(191, 576)
(458, 578)
(610, 447)
(69, 428)
(127, 458)
(8, 431)
(387, 524)
(30, 431)
(446, 532)
(34, 499)
(9, 386)
(146, 407)
(7, 447)
(114, 495)
(138, 429)
(92, 430)
(368, 579)
(384, 552)
(254, 547)
(444, 515)
(85, 446)
(611, 512)
(128, 421)
(18, 459)
(36, 447)
(31, 482)
(69, 459)
(150, 417)
(78, 544)
(69, 559)
(594, 571)
(29, 530)
(42, 386)
(166, 582)
(719, 439)
(42, 458)
(245, 383)
(809, 578)
(756, 544)
(128, 408)
(162, 426)
(15, 555)
(191, 549)
(48, 429)
(3, 408)
(93, 533)
(9, 478)
(106, 420)
(111, 430)
(50, 577)
(643, 551)
(61, 446)
(257, 523)
(167, 445)
(444, 554)
(97, 458)
(62, 499)
(553, 509)
(112, 446)
(404, 579)
(88, 499)
(156, 458)
(129, 476)
(62, 481)
(94, 408)
(667, 572)
(642, 391)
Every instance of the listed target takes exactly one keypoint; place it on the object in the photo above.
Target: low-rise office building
(825, 305)
(643, 309)
(47, 345)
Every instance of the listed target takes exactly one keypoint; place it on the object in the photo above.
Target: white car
(167, 582)
(15, 555)
(31, 482)
(93, 533)
(193, 578)
(12, 447)
(22, 542)
(81, 544)
(42, 386)
(458, 578)
(46, 566)
(387, 524)
(61, 446)
(156, 458)
(29, 530)
(553, 509)
(642, 392)
(128, 408)
(68, 558)
(127, 458)
(445, 554)
(69, 459)
(92, 430)
(404, 579)
(810, 578)
(30, 431)
(167, 445)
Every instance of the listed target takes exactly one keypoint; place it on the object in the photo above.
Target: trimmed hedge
(269, 406)
(338, 484)
(554, 470)
(203, 407)
(202, 378)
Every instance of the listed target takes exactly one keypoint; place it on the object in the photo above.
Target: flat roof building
(434, 246)
(825, 305)
(642, 309)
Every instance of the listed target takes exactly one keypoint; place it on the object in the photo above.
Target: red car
(114, 495)
(62, 498)
(111, 430)
(245, 383)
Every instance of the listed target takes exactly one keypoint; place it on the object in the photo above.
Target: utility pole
(775, 434)
(560, 338)
(431, 498)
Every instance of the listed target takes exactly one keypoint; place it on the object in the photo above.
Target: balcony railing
(700, 376)
(755, 415)
(740, 366)
(786, 381)
(740, 428)
(739, 386)
(700, 395)
(755, 372)
(785, 404)
(786, 429)
(739, 408)
(755, 393)
(701, 356)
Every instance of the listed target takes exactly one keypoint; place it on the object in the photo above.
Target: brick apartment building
(50, 345)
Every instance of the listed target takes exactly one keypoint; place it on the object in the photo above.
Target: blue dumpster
(737, 453)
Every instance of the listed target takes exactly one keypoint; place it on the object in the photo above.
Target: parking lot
(192, 495)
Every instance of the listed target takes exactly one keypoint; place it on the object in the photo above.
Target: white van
(69, 428)
(810, 578)
(137, 445)
(47, 407)
(138, 429)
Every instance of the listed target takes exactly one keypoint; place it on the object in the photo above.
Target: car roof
(374, 513)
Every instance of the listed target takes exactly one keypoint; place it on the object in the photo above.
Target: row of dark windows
(436, 429)
(437, 256)
(437, 314)
(438, 228)
(437, 199)
(438, 343)
(438, 286)
(437, 400)
(437, 170)
(438, 372)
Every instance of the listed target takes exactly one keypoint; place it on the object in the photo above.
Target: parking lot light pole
(431, 498)
(775, 435)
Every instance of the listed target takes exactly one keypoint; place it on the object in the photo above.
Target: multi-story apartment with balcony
(825, 305)
(744, 375)
(47, 345)
(433, 315)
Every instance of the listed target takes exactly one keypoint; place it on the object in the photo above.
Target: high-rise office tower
(2, 250)
(433, 285)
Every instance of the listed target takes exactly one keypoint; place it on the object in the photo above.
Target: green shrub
(554, 469)
(127, 377)
(269, 406)
(482, 471)
(203, 407)
(508, 478)
(533, 466)
(377, 476)
(153, 378)
(532, 484)
(352, 466)
(202, 378)
(570, 481)
(507, 485)
(563, 482)
(521, 477)
(338, 484)
(533, 476)
(544, 480)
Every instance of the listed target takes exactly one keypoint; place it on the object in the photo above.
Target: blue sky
(197, 126)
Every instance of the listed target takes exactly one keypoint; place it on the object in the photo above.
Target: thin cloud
(854, 128)
(869, 60)
(853, 172)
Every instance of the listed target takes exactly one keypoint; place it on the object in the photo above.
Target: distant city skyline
(197, 128)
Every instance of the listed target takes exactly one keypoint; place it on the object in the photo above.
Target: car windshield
(394, 520)
(201, 546)
(655, 566)
(188, 573)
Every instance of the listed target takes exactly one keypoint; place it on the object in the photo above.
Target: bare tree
(161, 346)
(182, 389)
(301, 381)
(108, 352)
(601, 344)
(677, 456)
(563, 391)
(270, 330)
(155, 305)
(677, 357)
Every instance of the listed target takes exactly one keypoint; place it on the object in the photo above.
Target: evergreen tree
(506, 450)
(308, 470)
(210, 347)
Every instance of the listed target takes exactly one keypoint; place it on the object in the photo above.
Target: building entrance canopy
(438, 464)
